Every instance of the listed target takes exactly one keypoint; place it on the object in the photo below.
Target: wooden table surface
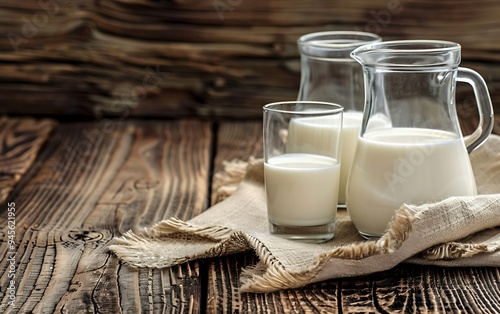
(68, 188)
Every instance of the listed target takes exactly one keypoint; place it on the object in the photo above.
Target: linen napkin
(458, 231)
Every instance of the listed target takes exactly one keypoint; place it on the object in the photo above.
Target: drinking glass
(302, 168)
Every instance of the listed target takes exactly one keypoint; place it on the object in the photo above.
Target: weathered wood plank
(216, 58)
(225, 297)
(405, 289)
(20, 142)
(413, 289)
(238, 140)
(94, 181)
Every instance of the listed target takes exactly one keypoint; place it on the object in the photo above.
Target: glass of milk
(328, 73)
(302, 152)
(421, 155)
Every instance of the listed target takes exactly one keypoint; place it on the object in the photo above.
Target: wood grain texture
(216, 58)
(412, 289)
(403, 289)
(238, 140)
(94, 181)
(224, 295)
(20, 141)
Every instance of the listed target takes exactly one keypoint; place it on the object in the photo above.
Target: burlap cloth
(459, 231)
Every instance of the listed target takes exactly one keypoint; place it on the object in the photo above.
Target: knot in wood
(87, 31)
(219, 82)
(278, 48)
(84, 236)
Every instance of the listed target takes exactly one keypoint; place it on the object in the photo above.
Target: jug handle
(484, 106)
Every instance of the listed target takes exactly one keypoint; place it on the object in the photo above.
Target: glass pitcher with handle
(410, 147)
(328, 73)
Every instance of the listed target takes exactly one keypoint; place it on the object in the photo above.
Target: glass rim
(338, 39)
(396, 46)
(330, 108)
(409, 55)
(334, 45)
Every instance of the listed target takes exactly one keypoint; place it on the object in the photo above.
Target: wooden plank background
(207, 58)
(93, 181)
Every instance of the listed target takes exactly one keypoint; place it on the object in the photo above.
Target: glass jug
(410, 147)
(328, 73)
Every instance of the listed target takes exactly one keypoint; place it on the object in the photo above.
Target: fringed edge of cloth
(269, 275)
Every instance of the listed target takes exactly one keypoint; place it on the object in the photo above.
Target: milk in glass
(301, 189)
(405, 165)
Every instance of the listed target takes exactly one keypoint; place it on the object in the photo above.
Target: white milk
(350, 132)
(405, 165)
(301, 189)
(318, 135)
(314, 135)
